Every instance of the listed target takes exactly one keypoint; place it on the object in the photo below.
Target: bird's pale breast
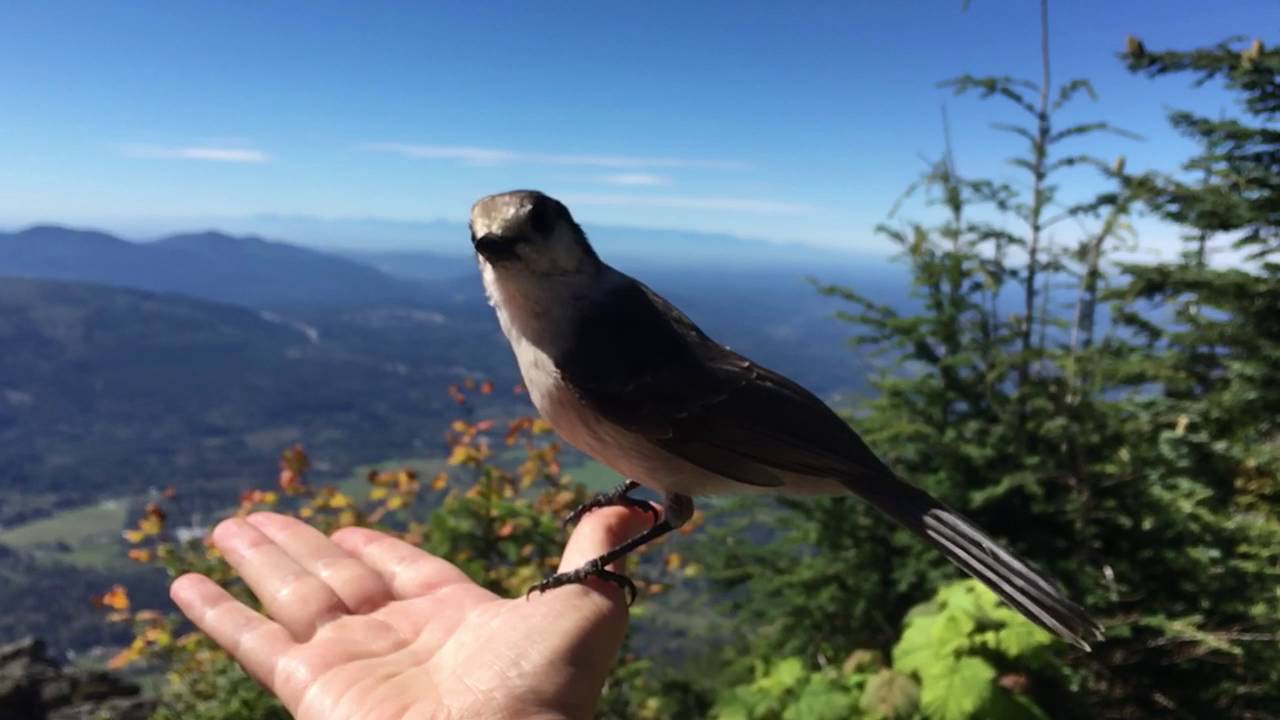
(629, 454)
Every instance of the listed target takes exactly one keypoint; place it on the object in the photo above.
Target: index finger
(254, 641)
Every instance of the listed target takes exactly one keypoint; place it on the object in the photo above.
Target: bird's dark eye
(542, 216)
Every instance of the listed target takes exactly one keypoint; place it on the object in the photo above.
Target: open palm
(363, 625)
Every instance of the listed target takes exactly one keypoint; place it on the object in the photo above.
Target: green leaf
(917, 648)
(822, 700)
(1005, 705)
(890, 695)
(953, 628)
(783, 676)
(1020, 637)
(956, 690)
(731, 706)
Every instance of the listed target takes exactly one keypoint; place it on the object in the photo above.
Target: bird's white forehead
(493, 213)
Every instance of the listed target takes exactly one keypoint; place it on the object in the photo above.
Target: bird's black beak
(495, 248)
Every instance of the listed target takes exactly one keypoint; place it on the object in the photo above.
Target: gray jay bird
(625, 377)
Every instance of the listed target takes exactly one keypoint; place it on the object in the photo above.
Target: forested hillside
(107, 392)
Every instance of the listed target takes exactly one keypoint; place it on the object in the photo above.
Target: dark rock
(34, 687)
(24, 668)
(101, 685)
(113, 709)
(57, 692)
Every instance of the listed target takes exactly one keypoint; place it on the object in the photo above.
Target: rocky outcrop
(34, 687)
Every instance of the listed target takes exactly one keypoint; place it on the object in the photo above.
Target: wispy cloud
(689, 202)
(198, 152)
(635, 179)
(496, 156)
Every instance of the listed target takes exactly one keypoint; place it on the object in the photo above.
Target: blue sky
(795, 122)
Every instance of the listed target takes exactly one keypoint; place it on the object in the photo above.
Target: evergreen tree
(1202, 354)
(1134, 455)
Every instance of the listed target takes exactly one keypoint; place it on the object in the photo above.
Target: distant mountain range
(653, 247)
(418, 265)
(209, 265)
(761, 306)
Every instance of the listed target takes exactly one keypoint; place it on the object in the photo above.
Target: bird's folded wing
(642, 365)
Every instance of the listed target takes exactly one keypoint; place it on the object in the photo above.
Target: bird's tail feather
(977, 554)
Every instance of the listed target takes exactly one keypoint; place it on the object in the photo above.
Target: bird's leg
(677, 509)
(616, 496)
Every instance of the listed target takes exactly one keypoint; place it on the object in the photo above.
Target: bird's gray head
(526, 231)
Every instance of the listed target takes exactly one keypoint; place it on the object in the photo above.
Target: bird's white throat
(536, 308)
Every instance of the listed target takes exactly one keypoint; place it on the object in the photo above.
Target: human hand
(363, 625)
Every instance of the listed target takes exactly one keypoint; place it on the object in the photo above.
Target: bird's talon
(579, 512)
(653, 511)
(600, 501)
(580, 575)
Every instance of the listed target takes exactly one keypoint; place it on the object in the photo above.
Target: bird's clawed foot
(616, 496)
(593, 568)
(676, 511)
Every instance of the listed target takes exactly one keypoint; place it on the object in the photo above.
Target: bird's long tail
(977, 554)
